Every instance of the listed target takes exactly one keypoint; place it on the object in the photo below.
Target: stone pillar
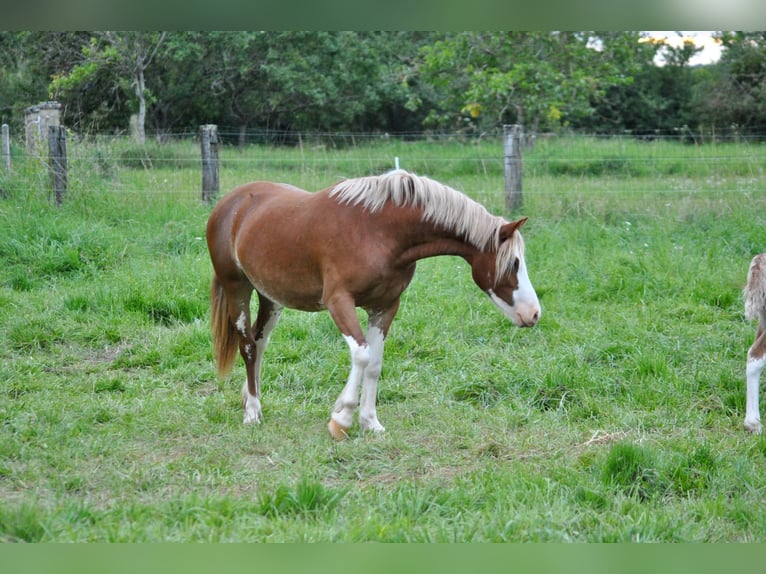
(37, 120)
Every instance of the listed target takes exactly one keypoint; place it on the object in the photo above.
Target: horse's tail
(755, 289)
(225, 341)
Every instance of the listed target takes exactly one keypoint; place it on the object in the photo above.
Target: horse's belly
(292, 293)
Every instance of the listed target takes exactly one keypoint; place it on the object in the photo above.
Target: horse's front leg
(343, 411)
(756, 360)
(368, 416)
(342, 309)
(377, 331)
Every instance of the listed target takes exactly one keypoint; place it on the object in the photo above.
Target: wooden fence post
(58, 161)
(209, 144)
(512, 136)
(6, 146)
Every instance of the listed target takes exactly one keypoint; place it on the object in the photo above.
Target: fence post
(6, 143)
(512, 137)
(58, 161)
(209, 145)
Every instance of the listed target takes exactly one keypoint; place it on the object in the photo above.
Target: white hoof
(252, 417)
(372, 425)
(252, 406)
(754, 426)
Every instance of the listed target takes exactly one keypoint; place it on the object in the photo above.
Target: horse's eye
(516, 264)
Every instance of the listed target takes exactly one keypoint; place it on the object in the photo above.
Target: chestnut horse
(352, 245)
(755, 308)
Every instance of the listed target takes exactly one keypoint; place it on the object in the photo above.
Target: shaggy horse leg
(376, 335)
(368, 417)
(366, 364)
(343, 312)
(237, 296)
(756, 360)
(267, 318)
(343, 411)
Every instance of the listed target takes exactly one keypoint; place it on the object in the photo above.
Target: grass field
(617, 418)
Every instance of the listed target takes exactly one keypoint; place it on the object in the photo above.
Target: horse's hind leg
(756, 360)
(238, 293)
(267, 318)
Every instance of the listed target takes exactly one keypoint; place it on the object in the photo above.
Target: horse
(755, 308)
(352, 245)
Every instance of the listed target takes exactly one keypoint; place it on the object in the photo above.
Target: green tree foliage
(282, 82)
(125, 56)
(27, 62)
(14, 80)
(736, 94)
(536, 79)
(658, 100)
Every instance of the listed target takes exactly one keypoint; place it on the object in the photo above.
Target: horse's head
(502, 274)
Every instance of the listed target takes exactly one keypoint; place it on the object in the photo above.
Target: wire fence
(553, 166)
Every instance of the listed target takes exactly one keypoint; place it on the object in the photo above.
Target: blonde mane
(441, 205)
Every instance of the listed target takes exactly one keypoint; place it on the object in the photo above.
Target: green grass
(618, 418)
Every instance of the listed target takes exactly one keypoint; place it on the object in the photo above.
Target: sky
(711, 50)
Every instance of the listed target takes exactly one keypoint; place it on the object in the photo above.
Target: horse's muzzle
(522, 314)
(526, 315)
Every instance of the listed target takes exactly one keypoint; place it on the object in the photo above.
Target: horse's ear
(509, 228)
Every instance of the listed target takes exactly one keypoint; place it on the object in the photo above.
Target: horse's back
(246, 201)
(254, 195)
(236, 211)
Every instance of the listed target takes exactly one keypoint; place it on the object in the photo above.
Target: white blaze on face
(525, 311)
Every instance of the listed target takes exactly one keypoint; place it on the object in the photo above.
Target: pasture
(617, 418)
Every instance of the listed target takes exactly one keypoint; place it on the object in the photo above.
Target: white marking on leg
(241, 324)
(368, 417)
(252, 406)
(752, 411)
(252, 403)
(343, 411)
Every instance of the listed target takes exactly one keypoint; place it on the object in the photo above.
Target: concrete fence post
(37, 120)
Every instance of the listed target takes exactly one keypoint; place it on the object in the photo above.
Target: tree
(735, 97)
(302, 81)
(126, 56)
(659, 99)
(531, 78)
(14, 78)
(296, 81)
(27, 62)
(186, 83)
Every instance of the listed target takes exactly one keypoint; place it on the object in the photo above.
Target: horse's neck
(427, 240)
